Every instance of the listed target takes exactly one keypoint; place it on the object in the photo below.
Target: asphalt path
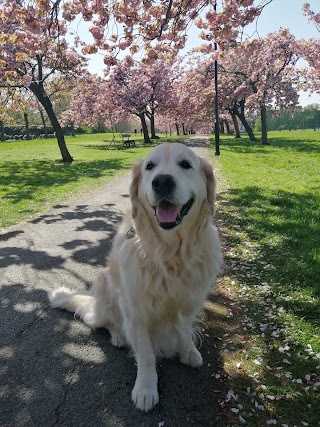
(54, 370)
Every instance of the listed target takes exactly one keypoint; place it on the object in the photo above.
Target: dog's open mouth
(170, 215)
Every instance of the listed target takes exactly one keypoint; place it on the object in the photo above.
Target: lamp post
(216, 103)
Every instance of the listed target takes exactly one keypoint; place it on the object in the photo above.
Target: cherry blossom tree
(195, 92)
(142, 89)
(131, 91)
(161, 77)
(6, 104)
(262, 72)
(309, 50)
(156, 27)
(139, 89)
(193, 106)
(312, 16)
(92, 102)
(33, 48)
(310, 76)
(253, 76)
(232, 98)
(24, 103)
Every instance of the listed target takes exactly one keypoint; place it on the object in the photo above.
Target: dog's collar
(131, 232)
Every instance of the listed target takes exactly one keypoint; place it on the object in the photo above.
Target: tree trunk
(264, 128)
(241, 116)
(144, 126)
(246, 126)
(177, 128)
(45, 130)
(221, 126)
(183, 129)
(235, 124)
(1, 131)
(152, 128)
(44, 100)
(26, 121)
(227, 126)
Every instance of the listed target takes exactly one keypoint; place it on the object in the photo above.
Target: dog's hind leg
(117, 338)
(107, 308)
(189, 354)
(98, 308)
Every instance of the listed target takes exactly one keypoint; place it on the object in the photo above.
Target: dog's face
(171, 183)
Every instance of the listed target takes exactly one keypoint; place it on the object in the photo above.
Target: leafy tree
(299, 118)
(311, 116)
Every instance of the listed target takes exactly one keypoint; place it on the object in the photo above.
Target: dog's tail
(82, 304)
(98, 307)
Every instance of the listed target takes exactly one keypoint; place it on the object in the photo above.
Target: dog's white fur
(157, 279)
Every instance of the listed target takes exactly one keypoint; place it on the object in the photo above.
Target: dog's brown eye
(185, 164)
(150, 166)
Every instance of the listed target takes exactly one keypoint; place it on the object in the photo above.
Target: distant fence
(14, 133)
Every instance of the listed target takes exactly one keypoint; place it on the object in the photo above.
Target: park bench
(126, 141)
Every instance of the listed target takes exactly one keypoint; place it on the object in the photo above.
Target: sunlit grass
(33, 177)
(269, 212)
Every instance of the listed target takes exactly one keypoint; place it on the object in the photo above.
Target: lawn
(269, 219)
(269, 214)
(33, 177)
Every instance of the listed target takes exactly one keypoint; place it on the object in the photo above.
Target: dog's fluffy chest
(165, 285)
(160, 285)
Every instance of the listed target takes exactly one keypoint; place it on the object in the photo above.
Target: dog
(164, 261)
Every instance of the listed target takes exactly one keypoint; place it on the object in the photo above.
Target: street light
(216, 103)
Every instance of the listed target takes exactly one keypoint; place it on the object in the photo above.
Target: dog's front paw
(191, 358)
(145, 395)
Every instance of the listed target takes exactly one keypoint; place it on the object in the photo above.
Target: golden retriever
(164, 260)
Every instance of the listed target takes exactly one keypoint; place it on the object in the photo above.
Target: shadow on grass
(281, 307)
(22, 180)
(244, 145)
(118, 146)
(296, 144)
(103, 147)
(286, 227)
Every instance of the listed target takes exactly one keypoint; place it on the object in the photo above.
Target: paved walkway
(55, 371)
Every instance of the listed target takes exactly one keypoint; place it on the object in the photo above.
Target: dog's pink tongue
(167, 212)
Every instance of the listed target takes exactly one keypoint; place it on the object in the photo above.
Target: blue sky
(287, 14)
(279, 13)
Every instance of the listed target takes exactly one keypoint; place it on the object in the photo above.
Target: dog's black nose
(163, 185)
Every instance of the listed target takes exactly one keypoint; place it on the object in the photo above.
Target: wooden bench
(126, 141)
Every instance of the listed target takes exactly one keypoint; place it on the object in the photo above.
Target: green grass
(269, 212)
(269, 218)
(33, 177)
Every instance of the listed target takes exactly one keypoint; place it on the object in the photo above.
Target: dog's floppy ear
(134, 186)
(211, 183)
